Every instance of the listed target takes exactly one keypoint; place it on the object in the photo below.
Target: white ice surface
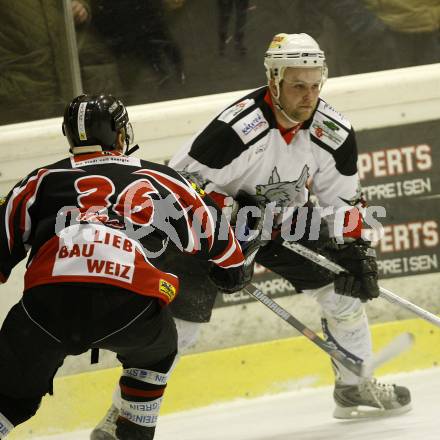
(303, 415)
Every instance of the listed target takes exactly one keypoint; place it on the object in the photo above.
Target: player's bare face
(299, 92)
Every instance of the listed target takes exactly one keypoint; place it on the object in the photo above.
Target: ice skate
(106, 428)
(131, 431)
(370, 399)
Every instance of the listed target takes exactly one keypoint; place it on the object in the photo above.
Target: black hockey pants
(53, 321)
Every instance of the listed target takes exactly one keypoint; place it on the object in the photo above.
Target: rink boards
(395, 114)
(223, 375)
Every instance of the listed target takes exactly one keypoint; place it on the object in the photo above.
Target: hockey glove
(248, 230)
(361, 280)
(234, 279)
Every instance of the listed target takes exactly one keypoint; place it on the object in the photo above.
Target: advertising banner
(399, 168)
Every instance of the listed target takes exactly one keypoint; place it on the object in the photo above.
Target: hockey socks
(5, 426)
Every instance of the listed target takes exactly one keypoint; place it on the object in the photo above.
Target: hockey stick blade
(384, 293)
(398, 345)
(354, 365)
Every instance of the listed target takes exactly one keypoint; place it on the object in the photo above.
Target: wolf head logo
(285, 193)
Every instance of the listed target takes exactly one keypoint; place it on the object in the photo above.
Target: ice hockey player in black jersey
(278, 144)
(92, 224)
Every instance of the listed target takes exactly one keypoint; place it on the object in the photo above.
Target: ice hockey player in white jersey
(277, 144)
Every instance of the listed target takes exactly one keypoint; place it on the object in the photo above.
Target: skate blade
(365, 412)
(100, 434)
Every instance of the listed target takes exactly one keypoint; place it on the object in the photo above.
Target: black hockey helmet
(96, 120)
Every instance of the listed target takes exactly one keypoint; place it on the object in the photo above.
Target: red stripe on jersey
(21, 195)
(235, 259)
(353, 223)
(219, 199)
(232, 256)
(187, 198)
(33, 187)
(135, 392)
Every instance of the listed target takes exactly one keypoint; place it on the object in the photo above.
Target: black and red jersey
(102, 217)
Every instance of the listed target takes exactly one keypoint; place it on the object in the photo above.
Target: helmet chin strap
(126, 144)
(131, 150)
(280, 108)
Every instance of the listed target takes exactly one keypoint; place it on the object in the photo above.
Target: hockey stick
(393, 349)
(355, 365)
(384, 293)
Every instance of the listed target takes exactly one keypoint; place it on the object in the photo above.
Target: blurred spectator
(225, 12)
(371, 35)
(415, 25)
(35, 77)
(172, 5)
(141, 37)
(80, 12)
(355, 40)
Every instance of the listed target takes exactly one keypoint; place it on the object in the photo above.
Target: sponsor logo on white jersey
(327, 109)
(261, 147)
(328, 131)
(251, 126)
(230, 113)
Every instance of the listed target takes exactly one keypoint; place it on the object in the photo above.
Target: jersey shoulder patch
(328, 131)
(327, 110)
(232, 112)
(250, 126)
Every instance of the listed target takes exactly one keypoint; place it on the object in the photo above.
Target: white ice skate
(106, 428)
(370, 399)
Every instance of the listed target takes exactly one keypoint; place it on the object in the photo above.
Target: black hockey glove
(234, 279)
(359, 258)
(248, 230)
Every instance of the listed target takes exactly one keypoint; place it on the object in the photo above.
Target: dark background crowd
(157, 50)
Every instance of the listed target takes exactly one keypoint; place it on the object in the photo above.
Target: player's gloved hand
(234, 279)
(361, 280)
(248, 226)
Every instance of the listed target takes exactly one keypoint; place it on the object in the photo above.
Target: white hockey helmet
(293, 50)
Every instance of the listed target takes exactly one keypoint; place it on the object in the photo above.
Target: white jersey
(243, 148)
